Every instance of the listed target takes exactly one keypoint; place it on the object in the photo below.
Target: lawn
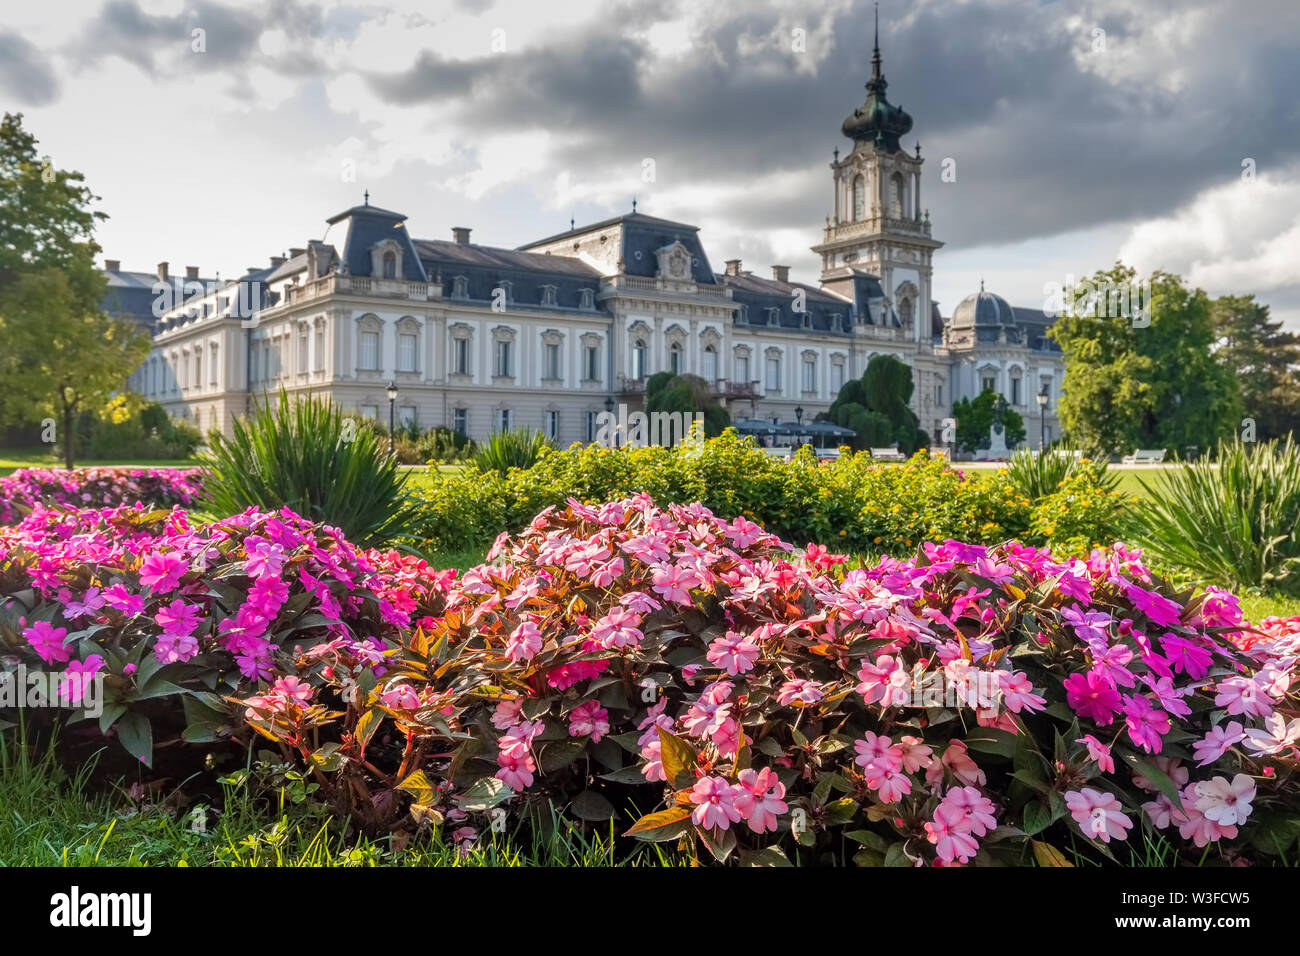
(12, 459)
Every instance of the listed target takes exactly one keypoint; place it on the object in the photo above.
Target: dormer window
(460, 287)
(390, 265)
(548, 295)
(587, 299)
(506, 287)
(773, 316)
(742, 315)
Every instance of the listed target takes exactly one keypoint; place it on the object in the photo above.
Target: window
(905, 312)
(859, 198)
(460, 421)
(773, 373)
(408, 415)
(302, 349)
(987, 383)
(742, 369)
(320, 347)
(198, 367)
(552, 425)
(593, 363)
(461, 356)
(369, 360)
(587, 299)
(938, 394)
(591, 426)
(897, 182)
(837, 377)
(406, 346)
(639, 359)
(548, 295)
(503, 360)
(710, 364)
(390, 265)
(675, 359)
(1015, 390)
(773, 316)
(503, 419)
(213, 364)
(370, 411)
(460, 287)
(809, 371)
(552, 369)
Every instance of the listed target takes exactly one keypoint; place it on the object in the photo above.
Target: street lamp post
(798, 414)
(1042, 399)
(392, 416)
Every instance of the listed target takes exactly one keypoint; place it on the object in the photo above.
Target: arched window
(898, 195)
(390, 265)
(639, 359)
(675, 359)
(905, 312)
(710, 364)
(859, 198)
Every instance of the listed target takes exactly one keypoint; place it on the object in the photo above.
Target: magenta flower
(73, 681)
(1216, 743)
(589, 719)
(175, 648)
(715, 804)
(1091, 695)
(1098, 752)
(162, 571)
(524, 642)
(1146, 724)
(47, 641)
(1098, 814)
(179, 619)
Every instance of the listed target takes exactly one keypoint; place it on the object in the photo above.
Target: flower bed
(173, 617)
(973, 705)
(22, 491)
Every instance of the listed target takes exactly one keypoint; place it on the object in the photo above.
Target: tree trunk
(67, 436)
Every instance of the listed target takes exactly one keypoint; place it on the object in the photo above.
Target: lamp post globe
(392, 416)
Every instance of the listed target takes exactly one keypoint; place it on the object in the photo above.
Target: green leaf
(590, 805)
(719, 842)
(1038, 817)
(136, 735)
(767, 856)
(679, 759)
(663, 825)
(486, 793)
(367, 725)
(1157, 776)
(992, 740)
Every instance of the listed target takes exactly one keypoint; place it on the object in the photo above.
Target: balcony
(658, 286)
(334, 284)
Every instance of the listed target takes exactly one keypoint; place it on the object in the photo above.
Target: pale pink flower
(715, 804)
(524, 642)
(734, 653)
(1227, 804)
(1098, 814)
(589, 719)
(978, 808)
(951, 835)
(805, 692)
(759, 799)
(1099, 752)
(1216, 743)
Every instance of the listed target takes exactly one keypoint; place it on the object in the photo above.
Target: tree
(688, 394)
(1148, 381)
(975, 418)
(876, 407)
(62, 352)
(1263, 360)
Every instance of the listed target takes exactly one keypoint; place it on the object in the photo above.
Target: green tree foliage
(876, 407)
(1152, 383)
(975, 418)
(1263, 359)
(62, 353)
(689, 394)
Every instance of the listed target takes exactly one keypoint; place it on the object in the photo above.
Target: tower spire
(877, 83)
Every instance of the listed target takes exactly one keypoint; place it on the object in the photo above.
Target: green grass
(11, 459)
(51, 818)
(1128, 477)
(1256, 607)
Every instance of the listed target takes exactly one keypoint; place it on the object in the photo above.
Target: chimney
(277, 261)
(162, 271)
(294, 253)
(733, 267)
(461, 235)
(113, 265)
(191, 272)
(781, 273)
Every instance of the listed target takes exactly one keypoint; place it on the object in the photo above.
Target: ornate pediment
(674, 262)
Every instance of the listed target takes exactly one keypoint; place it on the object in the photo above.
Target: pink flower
(162, 571)
(179, 619)
(715, 804)
(1226, 804)
(916, 754)
(1241, 695)
(400, 697)
(47, 641)
(73, 681)
(507, 713)
(1018, 692)
(618, 629)
(673, 583)
(877, 756)
(515, 772)
(956, 759)
(1099, 752)
(977, 807)
(1091, 695)
(589, 719)
(1196, 826)
(884, 681)
(759, 799)
(804, 692)
(524, 642)
(1216, 743)
(734, 653)
(951, 835)
(1146, 724)
(1098, 814)
(175, 648)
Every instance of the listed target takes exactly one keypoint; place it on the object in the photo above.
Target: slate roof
(643, 237)
(758, 296)
(485, 267)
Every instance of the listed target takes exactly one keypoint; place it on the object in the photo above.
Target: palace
(552, 333)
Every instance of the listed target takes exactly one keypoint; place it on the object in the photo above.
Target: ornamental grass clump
(1234, 520)
(703, 684)
(306, 455)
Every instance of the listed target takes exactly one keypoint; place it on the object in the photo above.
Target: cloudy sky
(219, 132)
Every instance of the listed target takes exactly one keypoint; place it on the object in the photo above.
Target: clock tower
(877, 225)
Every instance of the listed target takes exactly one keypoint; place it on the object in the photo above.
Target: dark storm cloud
(25, 73)
(1041, 145)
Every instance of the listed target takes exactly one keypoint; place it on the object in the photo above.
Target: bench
(888, 454)
(1144, 456)
(826, 454)
(778, 451)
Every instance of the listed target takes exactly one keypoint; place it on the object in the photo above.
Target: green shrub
(518, 448)
(306, 456)
(1085, 511)
(853, 503)
(1232, 520)
(444, 446)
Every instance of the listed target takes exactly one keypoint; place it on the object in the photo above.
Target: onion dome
(877, 120)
